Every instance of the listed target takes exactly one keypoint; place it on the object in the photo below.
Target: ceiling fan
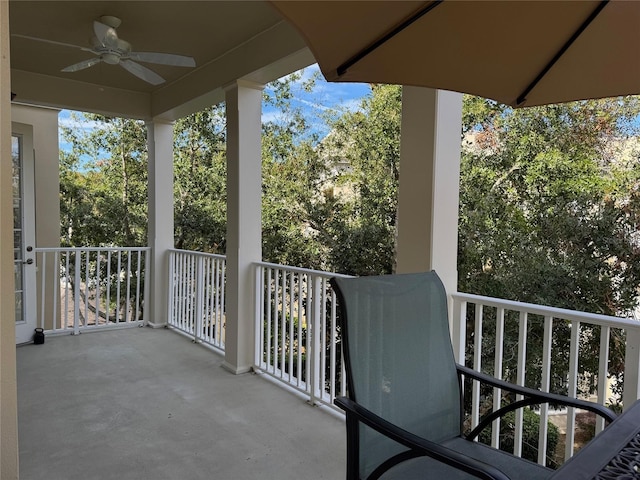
(114, 51)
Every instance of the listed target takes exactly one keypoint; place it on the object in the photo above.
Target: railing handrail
(196, 253)
(309, 271)
(91, 249)
(543, 310)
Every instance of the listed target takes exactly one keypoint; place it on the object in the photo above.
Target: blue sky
(325, 96)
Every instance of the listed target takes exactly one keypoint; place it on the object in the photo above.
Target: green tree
(104, 182)
(292, 177)
(200, 170)
(360, 226)
(548, 214)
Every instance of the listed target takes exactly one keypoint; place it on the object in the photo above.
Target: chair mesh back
(400, 362)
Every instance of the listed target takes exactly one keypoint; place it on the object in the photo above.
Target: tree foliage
(292, 178)
(367, 142)
(103, 183)
(546, 207)
(549, 215)
(200, 191)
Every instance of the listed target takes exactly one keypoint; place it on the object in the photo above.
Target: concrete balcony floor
(149, 404)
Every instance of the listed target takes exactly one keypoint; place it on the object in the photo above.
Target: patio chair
(404, 405)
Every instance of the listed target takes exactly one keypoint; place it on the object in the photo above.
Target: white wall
(47, 170)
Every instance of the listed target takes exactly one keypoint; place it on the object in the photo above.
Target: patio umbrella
(520, 53)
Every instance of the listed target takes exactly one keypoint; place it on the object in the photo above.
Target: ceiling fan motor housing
(111, 58)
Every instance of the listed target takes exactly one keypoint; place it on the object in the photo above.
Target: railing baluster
(459, 331)
(147, 287)
(477, 365)
(283, 324)
(184, 294)
(497, 372)
(275, 315)
(118, 282)
(86, 288)
(270, 282)
(603, 372)
(632, 368)
(291, 346)
(520, 379)
(259, 318)
(127, 308)
(55, 274)
(308, 346)
(107, 307)
(333, 359)
(43, 290)
(208, 299)
(316, 333)
(97, 280)
(572, 390)
(301, 319)
(198, 326)
(137, 301)
(76, 291)
(323, 339)
(66, 291)
(545, 385)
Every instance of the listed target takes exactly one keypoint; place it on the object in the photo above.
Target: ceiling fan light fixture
(111, 58)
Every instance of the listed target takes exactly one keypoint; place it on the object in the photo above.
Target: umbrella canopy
(520, 53)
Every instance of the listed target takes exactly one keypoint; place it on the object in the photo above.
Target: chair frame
(418, 446)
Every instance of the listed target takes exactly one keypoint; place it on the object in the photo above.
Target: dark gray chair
(404, 406)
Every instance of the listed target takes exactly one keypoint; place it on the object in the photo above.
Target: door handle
(28, 261)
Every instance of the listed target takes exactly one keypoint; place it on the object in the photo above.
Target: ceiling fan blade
(82, 65)
(106, 35)
(163, 59)
(142, 72)
(53, 42)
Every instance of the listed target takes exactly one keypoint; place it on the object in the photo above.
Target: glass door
(23, 231)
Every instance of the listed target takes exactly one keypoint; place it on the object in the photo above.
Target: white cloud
(70, 120)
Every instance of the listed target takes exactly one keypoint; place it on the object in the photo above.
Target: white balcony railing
(196, 296)
(297, 338)
(566, 337)
(90, 288)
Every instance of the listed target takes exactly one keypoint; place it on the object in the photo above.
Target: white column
(8, 389)
(160, 233)
(429, 183)
(631, 390)
(244, 220)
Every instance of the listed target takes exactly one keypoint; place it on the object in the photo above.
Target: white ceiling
(228, 40)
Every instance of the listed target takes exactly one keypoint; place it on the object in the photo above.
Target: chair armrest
(419, 445)
(533, 397)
